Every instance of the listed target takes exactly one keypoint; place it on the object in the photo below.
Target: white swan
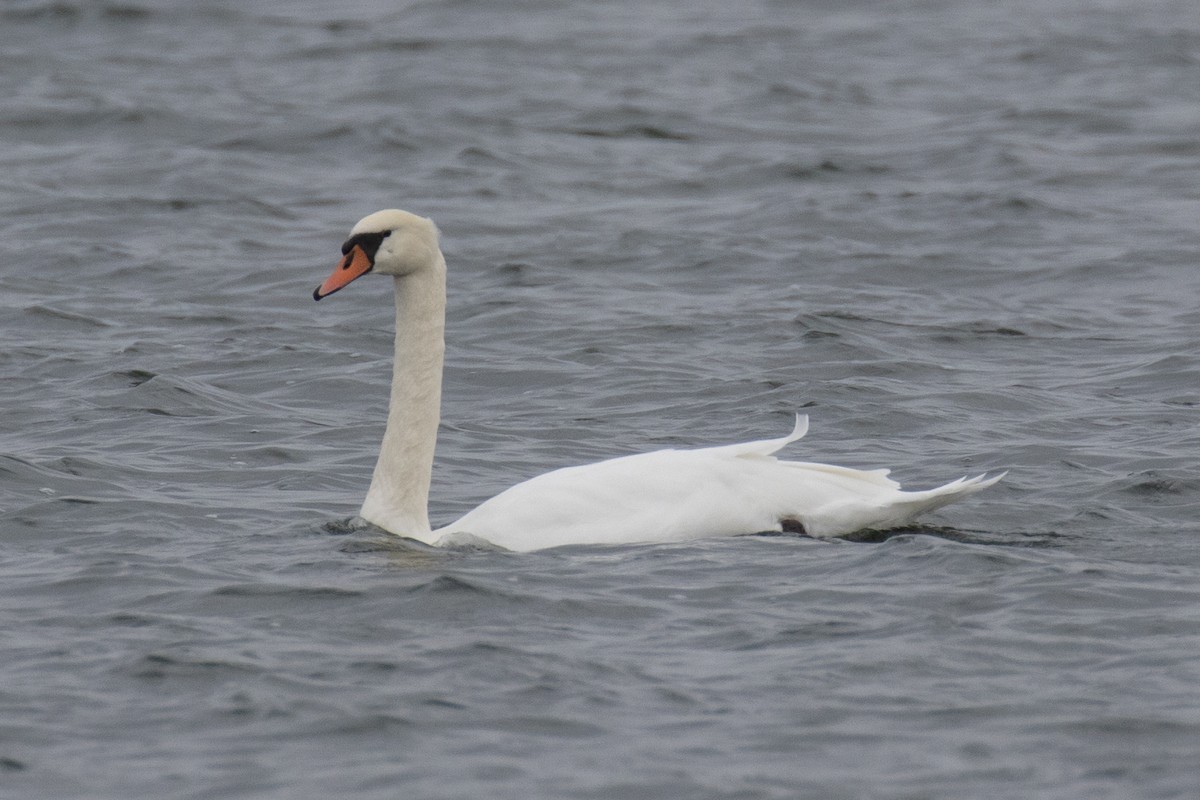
(667, 495)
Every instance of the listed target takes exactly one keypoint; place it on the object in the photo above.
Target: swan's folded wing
(762, 447)
(668, 495)
(674, 495)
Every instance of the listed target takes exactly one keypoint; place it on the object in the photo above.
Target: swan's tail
(901, 509)
(913, 504)
(931, 499)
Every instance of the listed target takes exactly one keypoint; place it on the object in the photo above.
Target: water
(960, 235)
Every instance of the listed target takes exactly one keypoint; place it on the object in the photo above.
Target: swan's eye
(369, 242)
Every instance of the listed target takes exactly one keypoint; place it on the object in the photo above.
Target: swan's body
(666, 495)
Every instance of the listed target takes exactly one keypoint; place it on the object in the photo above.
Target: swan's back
(674, 495)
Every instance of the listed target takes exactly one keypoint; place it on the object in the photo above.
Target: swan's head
(390, 242)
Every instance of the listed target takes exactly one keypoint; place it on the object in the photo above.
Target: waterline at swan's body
(666, 495)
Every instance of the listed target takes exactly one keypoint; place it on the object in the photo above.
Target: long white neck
(398, 499)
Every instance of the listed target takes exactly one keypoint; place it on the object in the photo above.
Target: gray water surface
(961, 236)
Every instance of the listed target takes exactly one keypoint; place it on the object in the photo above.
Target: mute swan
(667, 495)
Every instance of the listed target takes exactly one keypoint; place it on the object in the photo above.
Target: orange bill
(353, 265)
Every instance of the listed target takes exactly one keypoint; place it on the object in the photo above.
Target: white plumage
(666, 495)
